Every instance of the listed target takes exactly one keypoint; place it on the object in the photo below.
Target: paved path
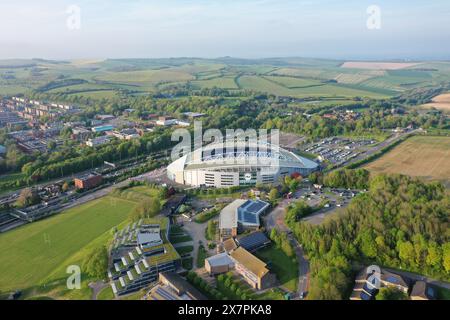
(97, 287)
(197, 232)
(184, 244)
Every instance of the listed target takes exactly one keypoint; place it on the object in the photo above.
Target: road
(392, 139)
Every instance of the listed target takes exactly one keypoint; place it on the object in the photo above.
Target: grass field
(39, 253)
(420, 156)
(297, 77)
(283, 266)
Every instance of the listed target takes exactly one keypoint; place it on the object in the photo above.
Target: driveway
(197, 232)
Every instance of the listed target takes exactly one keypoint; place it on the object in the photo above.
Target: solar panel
(392, 279)
(256, 206)
(253, 241)
(164, 294)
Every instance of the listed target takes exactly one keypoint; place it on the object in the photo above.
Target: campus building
(137, 259)
(172, 286)
(240, 215)
(246, 164)
(253, 270)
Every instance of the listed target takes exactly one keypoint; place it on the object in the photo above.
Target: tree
(390, 293)
(95, 263)
(146, 209)
(273, 195)
(446, 256)
(27, 198)
(406, 252)
(65, 187)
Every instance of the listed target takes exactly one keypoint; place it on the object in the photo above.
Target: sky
(87, 29)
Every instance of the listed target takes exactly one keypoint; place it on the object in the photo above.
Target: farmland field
(377, 65)
(32, 253)
(325, 90)
(426, 157)
(440, 102)
(296, 77)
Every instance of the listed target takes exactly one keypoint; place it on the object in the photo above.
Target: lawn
(283, 266)
(426, 157)
(201, 256)
(106, 294)
(32, 253)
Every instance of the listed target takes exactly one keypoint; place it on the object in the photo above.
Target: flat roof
(182, 286)
(249, 261)
(228, 216)
(221, 259)
(148, 237)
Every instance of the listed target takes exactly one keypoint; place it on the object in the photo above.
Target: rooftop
(228, 216)
(249, 261)
(229, 245)
(253, 241)
(423, 290)
(221, 259)
(248, 212)
(181, 286)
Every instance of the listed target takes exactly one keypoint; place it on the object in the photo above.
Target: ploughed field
(427, 157)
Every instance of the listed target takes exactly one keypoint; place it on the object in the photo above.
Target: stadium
(245, 164)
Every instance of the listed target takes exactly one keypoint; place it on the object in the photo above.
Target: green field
(297, 77)
(39, 253)
(284, 267)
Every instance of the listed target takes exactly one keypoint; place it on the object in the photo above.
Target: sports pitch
(40, 252)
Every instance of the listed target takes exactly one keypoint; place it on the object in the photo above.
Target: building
(126, 134)
(217, 166)
(133, 267)
(102, 128)
(149, 237)
(389, 279)
(229, 245)
(194, 115)
(365, 288)
(98, 141)
(173, 203)
(166, 121)
(253, 270)
(240, 215)
(253, 241)
(88, 181)
(105, 117)
(422, 291)
(173, 287)
(219, 263)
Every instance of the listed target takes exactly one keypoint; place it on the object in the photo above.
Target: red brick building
(88, 181)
